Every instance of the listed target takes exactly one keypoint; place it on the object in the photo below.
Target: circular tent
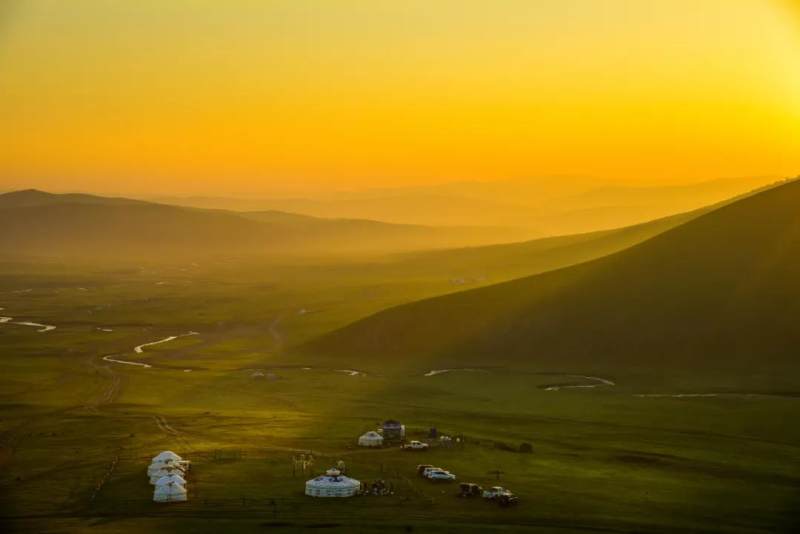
(166, 457)
(157, 471)
(371, 439)
(332, 484)
(170, 488)
(166, 463)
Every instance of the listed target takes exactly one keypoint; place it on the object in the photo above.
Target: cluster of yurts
(166, 474)
(167, 469)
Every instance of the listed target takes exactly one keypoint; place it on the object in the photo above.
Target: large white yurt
(371, 439)
(156, 471)
(170, 488)
(166, 463)
(332, 484)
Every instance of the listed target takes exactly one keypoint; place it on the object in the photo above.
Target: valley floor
(78, 430)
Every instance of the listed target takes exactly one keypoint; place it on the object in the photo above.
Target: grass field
(604, 458)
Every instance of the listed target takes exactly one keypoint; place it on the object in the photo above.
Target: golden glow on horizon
(205, 96)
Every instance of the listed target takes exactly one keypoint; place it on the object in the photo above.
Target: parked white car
(441, 474)
(427, 470)
(494, 491)
(501, 495)
(414, 446)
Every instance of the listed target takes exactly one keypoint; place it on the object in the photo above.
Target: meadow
(78, 431)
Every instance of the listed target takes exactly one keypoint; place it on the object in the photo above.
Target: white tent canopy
(157, 471)
(174, 478)
(371, 439)
(170, 488)
(166, 463)
(155, 467)
(166, 473)
(332, 484)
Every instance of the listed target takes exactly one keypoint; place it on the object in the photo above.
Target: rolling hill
(495, 263)
(354, 235)
(41, 224)
(28, 198)
(718, 294)
(36, 223)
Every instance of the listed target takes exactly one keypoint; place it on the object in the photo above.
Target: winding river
(40, 327)
(596, 382)
(351, 372)
(139, 349)
(434, 372)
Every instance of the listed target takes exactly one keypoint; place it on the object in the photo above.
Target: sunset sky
(236, 97)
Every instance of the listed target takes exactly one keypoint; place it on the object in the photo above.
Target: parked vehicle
(428, 469)
(414, 446)
(501, 496)
(468, 489)
(507, 500)
(421, 469)
(441, 474)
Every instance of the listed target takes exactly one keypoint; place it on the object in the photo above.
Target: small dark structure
(377, 488)
(433, 433)
(468, 489)
(393, 430)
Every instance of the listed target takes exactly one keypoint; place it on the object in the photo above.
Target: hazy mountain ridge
(37, 223)
(27, 198)
(547, 206)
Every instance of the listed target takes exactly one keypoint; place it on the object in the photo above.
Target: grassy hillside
(495, 263)
(718, 292)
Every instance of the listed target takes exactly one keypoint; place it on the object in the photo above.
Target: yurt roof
(172, 478)
(155, 466)
(163, 469)
(166, 456)
(372, 434)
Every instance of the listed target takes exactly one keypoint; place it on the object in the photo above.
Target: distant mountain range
(718, 294)
(545, 206)
(37, 223)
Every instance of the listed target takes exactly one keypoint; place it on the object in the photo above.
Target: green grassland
(604, 458)
(77, 431)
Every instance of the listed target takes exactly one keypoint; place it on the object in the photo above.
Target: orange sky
(210, 97)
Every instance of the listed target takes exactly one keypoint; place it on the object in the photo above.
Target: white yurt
(170, 488)
(156, 471)
(332, 484)
(166, 457)
(371, 439)
(166, 463)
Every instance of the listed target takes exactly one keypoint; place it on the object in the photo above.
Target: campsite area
(78, 430)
